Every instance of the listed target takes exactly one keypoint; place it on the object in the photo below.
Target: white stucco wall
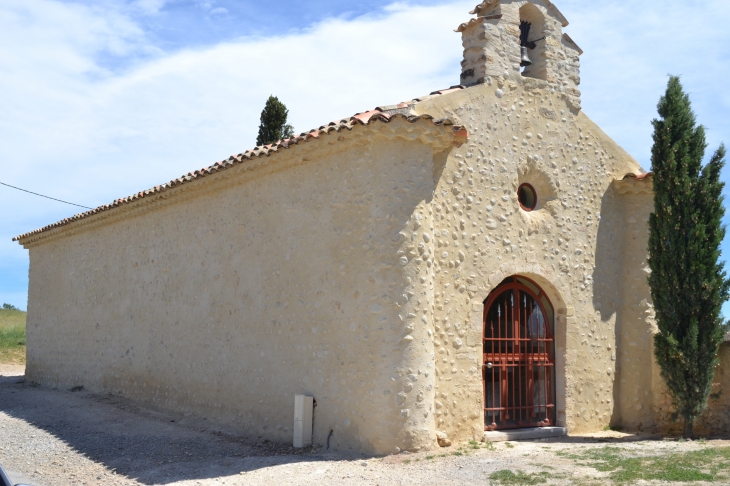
(521, 130)
(249, 287)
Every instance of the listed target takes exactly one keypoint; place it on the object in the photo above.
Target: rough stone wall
(521, 130)
(492, 47)
(247, 288)
(715, 420)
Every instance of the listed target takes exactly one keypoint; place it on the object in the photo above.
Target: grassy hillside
(12, 336)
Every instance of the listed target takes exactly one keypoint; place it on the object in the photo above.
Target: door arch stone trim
(559, 294)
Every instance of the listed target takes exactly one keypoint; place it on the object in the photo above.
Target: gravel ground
(54, 437)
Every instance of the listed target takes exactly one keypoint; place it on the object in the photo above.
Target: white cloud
(188, 109)
(150, 6)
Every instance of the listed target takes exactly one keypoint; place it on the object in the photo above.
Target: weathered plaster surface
(636, 326)
(523, 131)
(227, 302)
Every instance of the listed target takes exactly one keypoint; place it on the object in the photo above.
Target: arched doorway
(519, 356)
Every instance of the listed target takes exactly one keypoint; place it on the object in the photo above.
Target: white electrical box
(303, 406)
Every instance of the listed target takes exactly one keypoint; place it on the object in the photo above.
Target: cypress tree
(273, 125)
(688, 283)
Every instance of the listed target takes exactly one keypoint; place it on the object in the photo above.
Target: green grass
(506, 477)
(12, 336)
(710, 464)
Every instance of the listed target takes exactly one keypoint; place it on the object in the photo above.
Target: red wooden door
(519, 357)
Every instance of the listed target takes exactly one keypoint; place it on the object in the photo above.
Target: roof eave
(455, 136)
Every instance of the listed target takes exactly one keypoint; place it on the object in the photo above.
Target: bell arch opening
(518, 369)
(532, 42)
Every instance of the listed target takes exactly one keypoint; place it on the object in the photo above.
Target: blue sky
(105, 98)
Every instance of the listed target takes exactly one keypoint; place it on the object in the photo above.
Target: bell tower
(517, 39)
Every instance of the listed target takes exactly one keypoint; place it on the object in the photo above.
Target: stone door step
(525, 434)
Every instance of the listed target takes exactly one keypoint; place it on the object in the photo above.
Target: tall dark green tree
(274, 126)
(688, 282)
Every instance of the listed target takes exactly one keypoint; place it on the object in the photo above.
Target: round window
(527, 196)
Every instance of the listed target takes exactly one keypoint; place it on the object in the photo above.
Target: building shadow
(141, 444)
(607, 280)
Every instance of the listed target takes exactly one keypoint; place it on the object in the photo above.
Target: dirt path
(57, 437)
(11, 369)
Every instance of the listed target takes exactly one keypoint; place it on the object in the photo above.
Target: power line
(47, 197)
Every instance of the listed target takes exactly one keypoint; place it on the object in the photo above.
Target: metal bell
(525, 60)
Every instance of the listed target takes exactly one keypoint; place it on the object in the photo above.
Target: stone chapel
(466, 263)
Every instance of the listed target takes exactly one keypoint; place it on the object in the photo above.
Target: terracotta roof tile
(638, 177)
(381, 115)
(635, 184)
(465, 25)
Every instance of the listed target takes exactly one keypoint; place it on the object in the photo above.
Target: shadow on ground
(152, 447)
(141, 444)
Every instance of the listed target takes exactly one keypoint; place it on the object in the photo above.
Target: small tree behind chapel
(274, 126)
(688, 282)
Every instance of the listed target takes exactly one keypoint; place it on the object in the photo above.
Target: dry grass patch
(12, 336)
(507, 477)
(711, 464)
